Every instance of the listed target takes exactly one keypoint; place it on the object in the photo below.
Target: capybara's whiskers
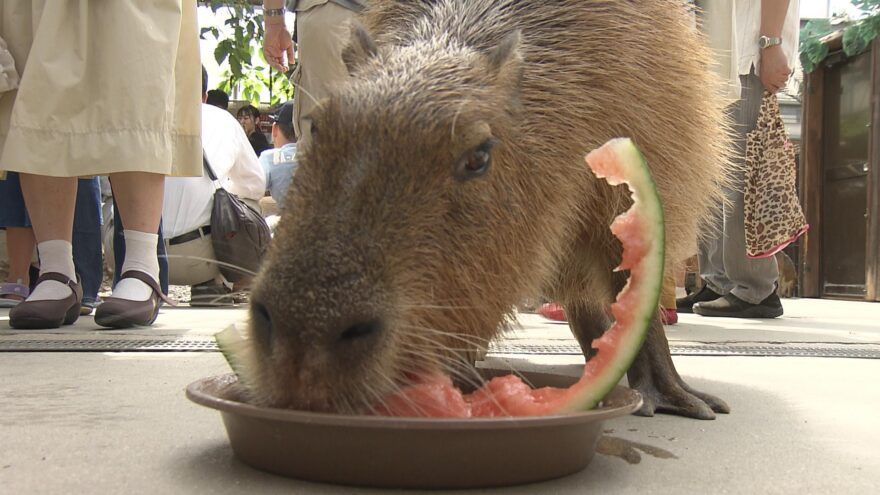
(211, 260)
(434, 307)
(465, 339)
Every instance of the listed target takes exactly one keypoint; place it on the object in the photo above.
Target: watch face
(766, 41)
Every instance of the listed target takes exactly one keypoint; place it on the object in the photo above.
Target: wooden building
(839, 176)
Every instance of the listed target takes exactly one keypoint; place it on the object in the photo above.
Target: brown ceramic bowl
(412, 452)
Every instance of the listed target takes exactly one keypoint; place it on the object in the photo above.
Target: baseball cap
(283, 114)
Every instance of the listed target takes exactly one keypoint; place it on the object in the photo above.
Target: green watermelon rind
(646, 204)
(232, 345)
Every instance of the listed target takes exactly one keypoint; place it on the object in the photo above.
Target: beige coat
(106, 86)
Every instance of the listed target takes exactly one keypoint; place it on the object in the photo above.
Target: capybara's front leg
(653, 374)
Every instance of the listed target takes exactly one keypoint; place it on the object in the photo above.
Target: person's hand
(277, 45)
(774, 68)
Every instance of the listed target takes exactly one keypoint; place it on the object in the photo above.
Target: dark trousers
(87, 250)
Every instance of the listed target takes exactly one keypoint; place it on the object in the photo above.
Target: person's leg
(50, 202)
(711, 254)
(161, 254)
(753, 293)
(119, 251)
(753, 279)
(138, 196)
(87, 256)
(668, 310)
(193, 262)
(711, 259)
(118, 243)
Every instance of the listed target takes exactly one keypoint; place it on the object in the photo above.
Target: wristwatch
(767, 42)
(274, 12)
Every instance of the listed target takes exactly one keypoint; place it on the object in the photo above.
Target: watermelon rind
(233, 345)
(646, 277)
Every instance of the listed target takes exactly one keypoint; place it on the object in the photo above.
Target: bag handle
(771, 116)
(210, 171)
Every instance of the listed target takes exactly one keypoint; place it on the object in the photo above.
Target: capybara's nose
(361, 330)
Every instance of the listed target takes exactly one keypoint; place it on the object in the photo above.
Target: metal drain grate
(107, 345)
(862, 351)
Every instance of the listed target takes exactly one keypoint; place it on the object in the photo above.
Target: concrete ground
(118, 422)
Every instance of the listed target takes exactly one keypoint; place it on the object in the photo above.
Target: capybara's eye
(476, 162)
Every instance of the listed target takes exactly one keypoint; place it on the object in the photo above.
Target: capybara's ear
(507, 51)
(506, 61)
(361, 47)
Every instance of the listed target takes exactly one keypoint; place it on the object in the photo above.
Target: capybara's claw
(675, 401)
(715, 403)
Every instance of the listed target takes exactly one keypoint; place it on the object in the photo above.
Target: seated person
(186, 213)
(279, 163)
(218, 98)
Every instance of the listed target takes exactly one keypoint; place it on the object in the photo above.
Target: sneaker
(731, 306)
(88, 305)
(686, 304)
(552, 311)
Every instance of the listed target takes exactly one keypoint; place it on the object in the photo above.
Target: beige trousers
(323, 30)
(192, 262)
(106, 86)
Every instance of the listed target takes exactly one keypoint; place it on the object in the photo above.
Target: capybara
(445, 181)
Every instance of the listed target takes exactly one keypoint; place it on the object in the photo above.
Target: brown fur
(378, 229)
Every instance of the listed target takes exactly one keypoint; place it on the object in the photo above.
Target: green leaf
(237, 45)
(858, 37)
(221, 52)
(812, 51)
(816, 28)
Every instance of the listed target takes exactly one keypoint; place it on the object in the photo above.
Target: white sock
(140, 254)
(55, 256)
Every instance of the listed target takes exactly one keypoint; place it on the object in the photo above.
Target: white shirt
(188, 200)
(732, 29)
(748, 30)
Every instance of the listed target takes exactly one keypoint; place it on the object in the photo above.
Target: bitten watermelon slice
(234, 347)
(641, 232)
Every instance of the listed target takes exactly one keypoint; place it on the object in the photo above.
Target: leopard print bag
(773, 215)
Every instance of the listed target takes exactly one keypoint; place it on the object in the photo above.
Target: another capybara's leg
(587, 323)
(653, 374)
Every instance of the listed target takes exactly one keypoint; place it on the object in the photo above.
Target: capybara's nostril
(261, 323)
(361, 330)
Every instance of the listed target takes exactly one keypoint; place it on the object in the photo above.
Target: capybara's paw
(676, 400)
(717, 405)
